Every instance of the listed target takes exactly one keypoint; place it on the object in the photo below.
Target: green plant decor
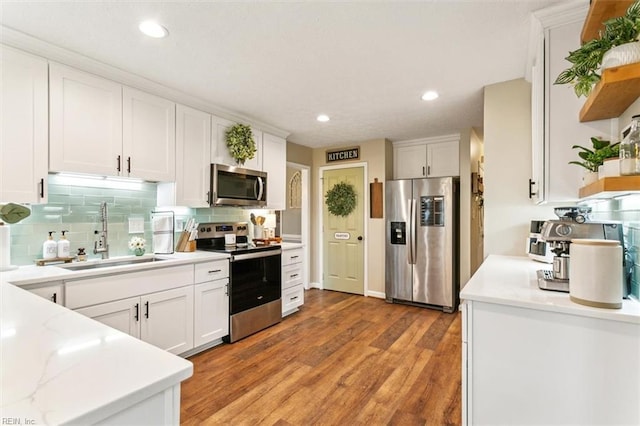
(584, 72)
(593, 158)
(341, 199)
(240, 142)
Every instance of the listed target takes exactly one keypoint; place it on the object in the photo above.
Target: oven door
(255, 280)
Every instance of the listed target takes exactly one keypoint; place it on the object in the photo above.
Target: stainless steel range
(255, 280)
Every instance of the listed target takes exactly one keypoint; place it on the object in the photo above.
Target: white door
(24, 122)
(167, 319)
(193, 152)
(211, 315)
(123, 315)
(149, 136)
(85, 122)
(410, 162)
(343, 237)
(443, 159)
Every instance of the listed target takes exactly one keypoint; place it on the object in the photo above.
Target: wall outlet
(179, 225)
(136, 225)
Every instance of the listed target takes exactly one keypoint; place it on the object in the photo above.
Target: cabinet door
(211, 311)
(443, 159)
(123, 315)
(86, 122)
(410, 162)
(219, 151)
(50, 292)
(562, 109)
(167, 319)
(149, 136)
(24, 123)
(193, 151)
(274, 162)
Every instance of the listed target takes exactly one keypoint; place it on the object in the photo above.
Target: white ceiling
(365, 64)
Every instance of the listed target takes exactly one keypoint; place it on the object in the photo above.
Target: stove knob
(208, 229)
(202, 229)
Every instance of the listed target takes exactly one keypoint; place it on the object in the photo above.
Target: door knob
(360, 238)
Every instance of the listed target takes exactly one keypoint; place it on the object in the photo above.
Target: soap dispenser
(50, 247)
(63, 246)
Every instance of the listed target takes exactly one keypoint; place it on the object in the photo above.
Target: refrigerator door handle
(412, 232)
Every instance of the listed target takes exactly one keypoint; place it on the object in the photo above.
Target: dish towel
(162, 229)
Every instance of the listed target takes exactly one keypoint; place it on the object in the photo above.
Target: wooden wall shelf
(611, 187)
(600, 11)
(618, 88)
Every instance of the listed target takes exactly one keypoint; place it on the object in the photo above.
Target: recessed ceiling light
(323, 118)
(430, 95)
(153, 29)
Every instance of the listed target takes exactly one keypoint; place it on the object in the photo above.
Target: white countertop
(290, 246)
(58, 366)
(508, 280)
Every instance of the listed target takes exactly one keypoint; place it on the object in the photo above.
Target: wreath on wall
(341, 199)
(240, 142)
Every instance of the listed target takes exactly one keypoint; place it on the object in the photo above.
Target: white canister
(596, 275)
(229, 239)
(258, 232)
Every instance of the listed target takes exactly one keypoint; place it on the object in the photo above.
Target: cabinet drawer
(291, 256)
(91, 291)
(210, 271)
(292, 298)
(291, 275)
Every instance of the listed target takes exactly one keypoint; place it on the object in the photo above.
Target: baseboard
(378, 294)
(315, 285)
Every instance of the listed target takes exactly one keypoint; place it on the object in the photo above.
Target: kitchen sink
(81, 266)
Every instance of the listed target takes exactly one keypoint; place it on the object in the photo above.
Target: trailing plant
(584, 72)
(593, 158)
(239, 138)
(341, 199)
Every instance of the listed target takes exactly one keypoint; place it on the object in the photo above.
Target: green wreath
(240, 142)
(341, 199)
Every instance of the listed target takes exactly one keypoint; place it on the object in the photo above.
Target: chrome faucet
(102, 246)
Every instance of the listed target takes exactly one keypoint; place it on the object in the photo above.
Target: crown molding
(454, 137)
(28, 43)
(562, 13)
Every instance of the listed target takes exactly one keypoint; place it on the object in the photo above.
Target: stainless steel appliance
(422, 218)
(536, 248)
(255, 278)
(559, 233)
(235, 186)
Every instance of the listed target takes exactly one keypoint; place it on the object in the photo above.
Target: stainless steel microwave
(235, 186)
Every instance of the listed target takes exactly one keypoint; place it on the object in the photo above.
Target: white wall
(507, 165)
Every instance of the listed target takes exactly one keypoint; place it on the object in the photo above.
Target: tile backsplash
(627, 210)
(73, 205)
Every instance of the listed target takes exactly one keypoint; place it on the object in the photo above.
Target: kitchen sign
(343, 154)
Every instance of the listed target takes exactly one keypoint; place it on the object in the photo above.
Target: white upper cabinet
(219, 151)
(426, 158)
(24, 127)
(556, 108)
(86, 122)
(274, 162)
(149, 136)
(193, 153)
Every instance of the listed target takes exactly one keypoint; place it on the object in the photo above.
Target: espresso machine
(572, 223)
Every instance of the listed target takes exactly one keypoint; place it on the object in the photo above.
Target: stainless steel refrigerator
(422, 222)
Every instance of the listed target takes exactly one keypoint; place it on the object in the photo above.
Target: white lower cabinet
(163, 319)
(211, 311)
(292, 280)
(51, 291)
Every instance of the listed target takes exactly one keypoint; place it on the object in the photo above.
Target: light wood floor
(341, 360)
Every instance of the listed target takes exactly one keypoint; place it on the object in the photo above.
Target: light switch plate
(136, 225)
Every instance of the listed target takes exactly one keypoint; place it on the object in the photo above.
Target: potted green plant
(242, 147)
(593, 158)
(584, 72)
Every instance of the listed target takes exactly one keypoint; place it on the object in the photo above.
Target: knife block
(184, 245)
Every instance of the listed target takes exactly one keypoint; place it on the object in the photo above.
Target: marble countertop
(58, 366)
(31, 274)
(510, 280)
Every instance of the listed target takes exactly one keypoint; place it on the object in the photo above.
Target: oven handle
(239, 257)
